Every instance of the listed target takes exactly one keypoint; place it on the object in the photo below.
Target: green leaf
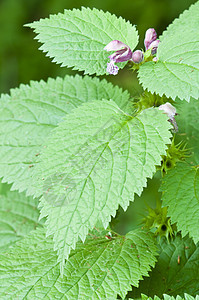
(167, 297)
(188, 124)
(29, 114)
(180, 189)
(77, 38)
(18, 216)
(4, 188)
(176, 272)
(96, 160)
(177, 70)
(99, 269)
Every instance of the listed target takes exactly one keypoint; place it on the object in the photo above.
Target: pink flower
(112, 68)
(170, 110)
(122, 53)
(154, 46)
(150, 36)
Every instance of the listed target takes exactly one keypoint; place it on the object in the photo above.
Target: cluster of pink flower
(123, 52)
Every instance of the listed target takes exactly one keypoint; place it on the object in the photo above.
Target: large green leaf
(96, 160)
(177, 71)
(77, 38)
(176, 272)
(99, 269)
(188, 124)
(18, 216)
(29, 114)
(4, 188)
(180, 189)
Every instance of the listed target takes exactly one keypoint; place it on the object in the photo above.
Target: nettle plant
(78, 148)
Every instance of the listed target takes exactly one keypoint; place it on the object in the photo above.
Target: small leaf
(99, 269)
(18, 216)
(180, 189)
(77, 38)
(177, 70)
(96, 160)
(29, 114)
(175, 272)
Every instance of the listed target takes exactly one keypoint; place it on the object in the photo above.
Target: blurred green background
(20, 60)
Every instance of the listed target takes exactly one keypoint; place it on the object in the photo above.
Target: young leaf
(177, 70)
(18, 216)
(175, 272)
(29, 114)
(77, 38)
(95, 160)
(99, 269)
(180, 189)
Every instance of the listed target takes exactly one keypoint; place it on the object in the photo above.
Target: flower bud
(137, 56)
(150, 36)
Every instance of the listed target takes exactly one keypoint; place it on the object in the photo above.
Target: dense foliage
(78, 149)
